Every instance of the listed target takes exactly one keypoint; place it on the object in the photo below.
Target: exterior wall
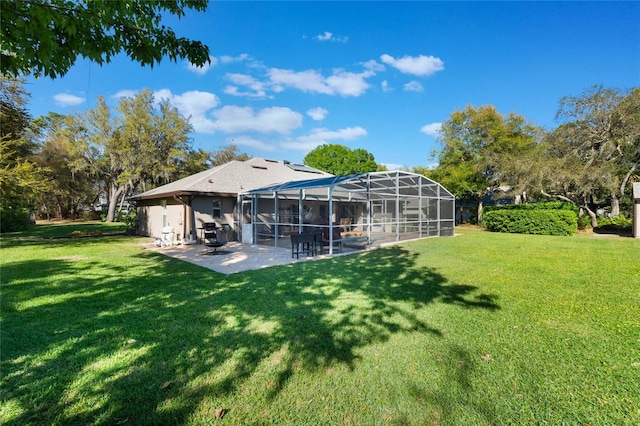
(149, 217)
(636, 218)
(203, 210)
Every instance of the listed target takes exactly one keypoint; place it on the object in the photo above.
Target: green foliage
(615, 224)
(21, 180)
(340, 160)
(14, 216)
(584, 222)
(482, 149)
(143, 142)
(45, 37)
(548, 205)
(532, 221)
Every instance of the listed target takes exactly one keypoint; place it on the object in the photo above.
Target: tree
(602, 126)
(70, 190)
(21, 180)
(45, 37)
(143, 144)
(482, 150)
(340, 160)
(227, 153)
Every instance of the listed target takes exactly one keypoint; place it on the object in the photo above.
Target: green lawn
(479, 329)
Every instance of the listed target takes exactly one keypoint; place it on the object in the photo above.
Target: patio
(239, 257)
(235, 256)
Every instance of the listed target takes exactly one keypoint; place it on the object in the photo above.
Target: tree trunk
(615, 205)
(480, 208)
(592, 215)
(113, 201)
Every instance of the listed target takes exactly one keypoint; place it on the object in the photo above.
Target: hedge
(532, 221)
(548, 205)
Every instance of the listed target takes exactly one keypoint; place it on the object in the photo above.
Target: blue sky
(286, 77)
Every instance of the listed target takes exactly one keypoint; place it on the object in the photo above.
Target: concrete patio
(235, 256)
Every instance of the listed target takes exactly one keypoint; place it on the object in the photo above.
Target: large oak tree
(140, 142)
(481, 150)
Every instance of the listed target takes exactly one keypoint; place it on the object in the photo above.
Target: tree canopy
(340, 160)
(589, 159)
(45, 37)
(481, 149)
(21, 180)
(140, 142)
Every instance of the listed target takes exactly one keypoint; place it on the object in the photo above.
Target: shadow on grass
(147, 340)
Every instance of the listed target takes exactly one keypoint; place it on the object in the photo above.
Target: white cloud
(340, 83)
(348, 83)
(327, 36)
(258, 88)
(252, 143)
(204, 68)
(432, 129)
(321, 136)
(307, 81)
(413, 86)
(416, 65)
(373, 66)
(318, 113)
(125, 93)
(226, 59)
(235, 119)
(385, 86)
(322, 37)
(193, 104)
(65, 99)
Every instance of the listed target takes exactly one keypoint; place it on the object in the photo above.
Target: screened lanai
(357, 210)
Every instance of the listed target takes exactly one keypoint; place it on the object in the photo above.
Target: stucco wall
(150, 215)
(150, 218)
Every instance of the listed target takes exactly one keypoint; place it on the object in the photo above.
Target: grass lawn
(479, 329)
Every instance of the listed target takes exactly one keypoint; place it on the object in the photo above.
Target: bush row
(549, 205)
(532, 221)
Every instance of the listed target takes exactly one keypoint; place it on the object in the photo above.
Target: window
(217, 208)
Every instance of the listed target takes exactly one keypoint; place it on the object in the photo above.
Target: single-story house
(211, 196)
(262, 201)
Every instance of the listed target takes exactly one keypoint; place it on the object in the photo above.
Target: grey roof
(234, 177)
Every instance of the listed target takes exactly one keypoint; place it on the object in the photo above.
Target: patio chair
(168, 236)
(214, 240)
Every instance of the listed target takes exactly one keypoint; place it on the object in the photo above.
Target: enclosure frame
(368, 208)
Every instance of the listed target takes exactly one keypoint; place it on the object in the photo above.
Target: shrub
(615, 224)
(549, 205)
(14, 216)
(584, 221)
(532, 221)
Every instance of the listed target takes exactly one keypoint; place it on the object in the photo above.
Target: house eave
(174, 194)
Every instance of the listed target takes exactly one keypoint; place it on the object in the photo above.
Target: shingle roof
(235, 177)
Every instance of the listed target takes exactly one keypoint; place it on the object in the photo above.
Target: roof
(377, 184)
(234, 177)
